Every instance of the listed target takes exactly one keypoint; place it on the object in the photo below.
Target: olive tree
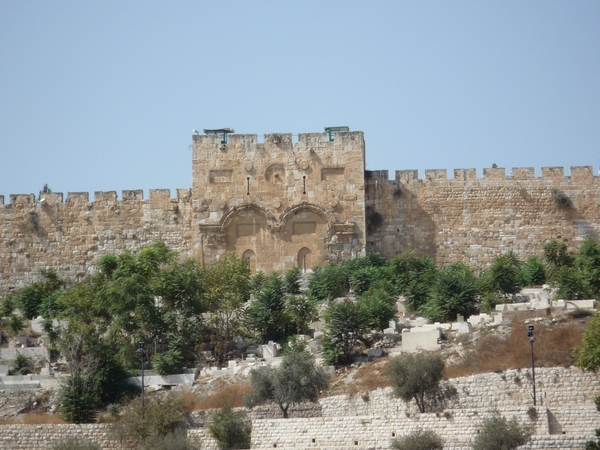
(297, 379)
(418, 377)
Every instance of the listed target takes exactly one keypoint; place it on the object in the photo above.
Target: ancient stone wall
(472, 219)
(281, 203)
(277, 203)
(70, 235)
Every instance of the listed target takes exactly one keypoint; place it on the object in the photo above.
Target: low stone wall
(456, 427)
(556, 387)
(43, 437)
(565, 417)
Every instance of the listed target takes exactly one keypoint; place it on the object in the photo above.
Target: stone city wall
(281, 203)
(70, 235)
(472, 219)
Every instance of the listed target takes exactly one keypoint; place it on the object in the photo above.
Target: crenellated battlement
(100, 197)
(577, 173)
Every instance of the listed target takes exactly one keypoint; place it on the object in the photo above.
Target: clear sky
(104, 95)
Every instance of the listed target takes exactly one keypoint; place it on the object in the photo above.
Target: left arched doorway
(251, 256)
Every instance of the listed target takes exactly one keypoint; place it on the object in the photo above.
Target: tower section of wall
(280, 203)
(472, 219)
(69, 236)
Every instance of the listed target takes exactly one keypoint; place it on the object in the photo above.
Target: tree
(300, 310)
(96, 376)
(498, 433)
(453, 292)
(417, 377)
(328, 282)
(419, 440)
(413, 276)
(297, 379)
(347, 324)
(78, 399)
(32, 297)
(16, 323)
(379, 307)
(292, 280)
(556, 255)
(227, 288)
(45, 190)
(533, 272)
(588, 355)
(504, 274)
(231, 428)
(266, 313)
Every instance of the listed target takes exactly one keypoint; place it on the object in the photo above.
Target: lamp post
(531, 341)
(141, 351)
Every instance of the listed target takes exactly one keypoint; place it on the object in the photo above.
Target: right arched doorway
(304, 259)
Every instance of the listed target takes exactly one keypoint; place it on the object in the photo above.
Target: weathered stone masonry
(472, 219)
(565, 417)
(282, 203)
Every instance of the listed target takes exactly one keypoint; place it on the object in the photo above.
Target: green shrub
(75, 443)
(419, 440)
(158, 417)
(499, 433)
(328, 282)
(579, 313)
(168, 362)
(292, 280)
(177, 440)
(561, 199)
(20, 365)
(230, 428)
(533, 272)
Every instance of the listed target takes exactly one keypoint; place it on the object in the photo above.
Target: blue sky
(104, 95)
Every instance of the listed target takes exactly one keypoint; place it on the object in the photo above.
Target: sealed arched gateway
(289, 203)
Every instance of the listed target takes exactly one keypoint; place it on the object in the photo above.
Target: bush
(419, 440)
(20, 365)
(230, 428)
(499, 433)
(588, 354)
(561, 199)
(158, 417)
(75, 443)
(177, 440)
(168, 362)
